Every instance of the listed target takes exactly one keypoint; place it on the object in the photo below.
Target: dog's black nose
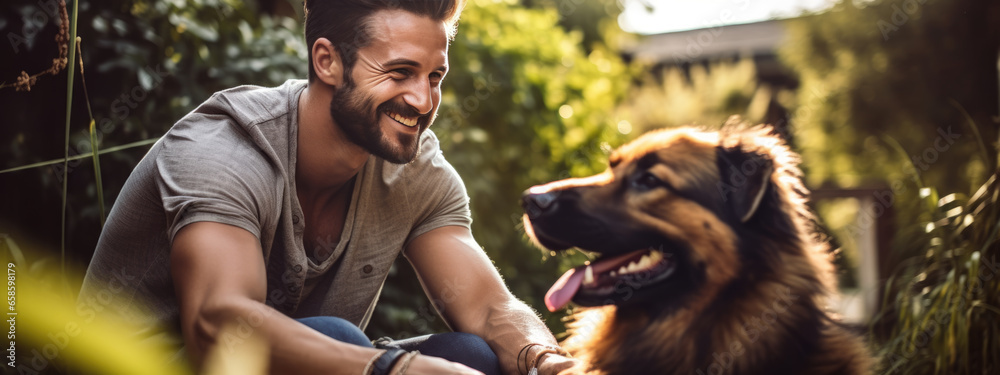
(536, 205)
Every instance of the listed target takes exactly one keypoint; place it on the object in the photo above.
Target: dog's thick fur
(748, 297)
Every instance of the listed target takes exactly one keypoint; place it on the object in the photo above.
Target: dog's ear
(744, 177)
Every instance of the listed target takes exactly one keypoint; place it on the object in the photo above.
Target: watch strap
(385, 362)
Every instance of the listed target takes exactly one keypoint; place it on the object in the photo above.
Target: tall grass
(68, 56)
(69, 115)
(941, 307)
(941, 311)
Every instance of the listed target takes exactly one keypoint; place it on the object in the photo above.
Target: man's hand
(425, 365)
(554, 364)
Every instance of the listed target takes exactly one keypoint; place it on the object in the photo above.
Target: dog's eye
(646, 181)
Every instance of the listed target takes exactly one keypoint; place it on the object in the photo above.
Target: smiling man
(285, 207)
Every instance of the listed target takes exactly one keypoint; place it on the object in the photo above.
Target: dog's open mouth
(600, 279)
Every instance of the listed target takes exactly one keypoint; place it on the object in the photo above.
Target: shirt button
(367, 268)
(295, 219)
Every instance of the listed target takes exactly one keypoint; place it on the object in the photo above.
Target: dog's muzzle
(539, 205)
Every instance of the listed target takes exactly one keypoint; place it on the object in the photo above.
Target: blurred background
(893, 105)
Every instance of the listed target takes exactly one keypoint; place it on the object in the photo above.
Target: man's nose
(419, 96)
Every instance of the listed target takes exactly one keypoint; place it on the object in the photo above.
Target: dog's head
(677, 215)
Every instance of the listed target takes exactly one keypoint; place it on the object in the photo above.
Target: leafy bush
(147, 63)
(704, 95)
(888, 80)
(903, 69)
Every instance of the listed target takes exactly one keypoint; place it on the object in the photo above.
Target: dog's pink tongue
(563, 290)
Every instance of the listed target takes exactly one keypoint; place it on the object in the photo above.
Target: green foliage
(893, 91)
(597, 20)
(147, 63)
(524, 104)
(942, 306)
(841, 220)
(223, 42)
(894, 68)
(704, 95)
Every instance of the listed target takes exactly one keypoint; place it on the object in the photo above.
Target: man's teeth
(588, 276)
(408, 121)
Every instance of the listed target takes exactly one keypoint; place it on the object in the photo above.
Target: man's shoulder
(240, 120)
(215, 139)
(250, 105)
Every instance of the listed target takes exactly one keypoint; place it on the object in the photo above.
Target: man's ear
(326, 62)
(744, 177)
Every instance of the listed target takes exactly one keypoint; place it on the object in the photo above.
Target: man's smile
(406, 121)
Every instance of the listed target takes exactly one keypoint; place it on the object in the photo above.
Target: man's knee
(337, 329)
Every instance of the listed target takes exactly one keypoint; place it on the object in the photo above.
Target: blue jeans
(464, 348)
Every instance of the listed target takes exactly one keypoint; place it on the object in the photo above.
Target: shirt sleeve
(210, 170)
(449, 201)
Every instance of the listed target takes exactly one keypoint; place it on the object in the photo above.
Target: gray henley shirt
(232, 161)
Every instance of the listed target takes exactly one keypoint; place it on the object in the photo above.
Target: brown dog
(707, 260)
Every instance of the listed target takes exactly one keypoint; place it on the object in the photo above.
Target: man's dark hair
(345, 22)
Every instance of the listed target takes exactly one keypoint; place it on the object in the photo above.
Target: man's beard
(352, 111)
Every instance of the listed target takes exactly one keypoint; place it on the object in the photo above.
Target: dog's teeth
(632, 267)
(644, 262)
(613, 273)
(588, 276)
(655, 256)
(622, 270)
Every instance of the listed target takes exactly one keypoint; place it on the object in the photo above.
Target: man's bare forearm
(294, 348)
(511, 326)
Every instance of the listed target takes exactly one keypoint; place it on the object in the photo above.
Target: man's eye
(646, 181)
(400, 73)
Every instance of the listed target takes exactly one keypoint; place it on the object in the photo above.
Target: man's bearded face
(356, 113)
(390, 94)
